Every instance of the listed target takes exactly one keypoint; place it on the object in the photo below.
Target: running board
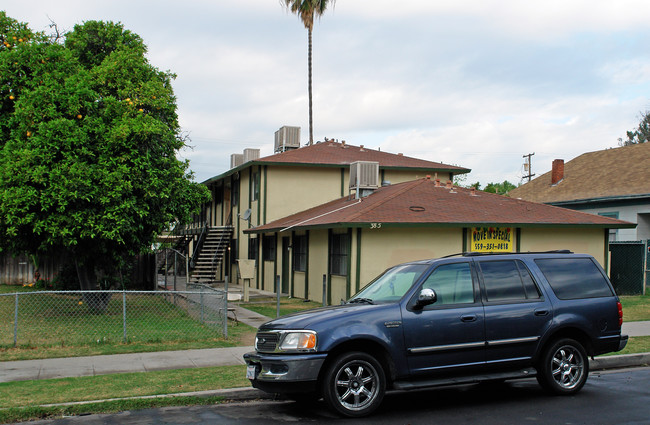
(470, 379)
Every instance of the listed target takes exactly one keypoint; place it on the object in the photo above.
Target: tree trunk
(95, 301)
(311, 121)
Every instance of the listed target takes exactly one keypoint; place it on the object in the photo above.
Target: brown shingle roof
(334, 154)
(610, 173)
(421, 202)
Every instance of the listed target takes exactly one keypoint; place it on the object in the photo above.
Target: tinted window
(452, 283)
(573, 278)
(507, 281)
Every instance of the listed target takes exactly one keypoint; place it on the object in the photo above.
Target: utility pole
(528, 166)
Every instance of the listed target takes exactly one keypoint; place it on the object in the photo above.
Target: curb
(230, 394)
(249, 393)
(620, 361)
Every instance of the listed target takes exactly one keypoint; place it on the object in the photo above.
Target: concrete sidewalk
(144, 362)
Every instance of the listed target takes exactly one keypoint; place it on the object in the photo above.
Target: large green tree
(88, 142)
(641, 134)
(307, 10)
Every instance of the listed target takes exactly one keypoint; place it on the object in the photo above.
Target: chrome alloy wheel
(356, 385)
(567, 367)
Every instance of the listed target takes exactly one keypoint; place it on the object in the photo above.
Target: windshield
(391, 285)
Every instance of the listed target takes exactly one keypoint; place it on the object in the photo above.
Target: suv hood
(311, 318)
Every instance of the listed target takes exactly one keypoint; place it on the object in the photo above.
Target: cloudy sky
(475, 83)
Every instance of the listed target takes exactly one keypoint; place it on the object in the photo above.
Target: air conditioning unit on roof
(236, 159)
(287, 138)
(251, 154)
(364, 177)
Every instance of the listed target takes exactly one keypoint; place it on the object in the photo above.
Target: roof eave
(623, 225)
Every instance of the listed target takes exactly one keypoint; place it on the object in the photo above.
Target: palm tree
(306, 10)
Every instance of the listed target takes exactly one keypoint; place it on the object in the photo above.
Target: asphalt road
(615, 397)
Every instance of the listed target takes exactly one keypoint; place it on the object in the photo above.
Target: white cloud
(472, 83)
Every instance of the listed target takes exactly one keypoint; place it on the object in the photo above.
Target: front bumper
(282, 373)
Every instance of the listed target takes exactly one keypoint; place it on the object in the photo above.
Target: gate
(628, 267)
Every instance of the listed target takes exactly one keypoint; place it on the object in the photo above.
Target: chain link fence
(628, 266)
(74, 318)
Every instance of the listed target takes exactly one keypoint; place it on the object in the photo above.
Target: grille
(266, 341)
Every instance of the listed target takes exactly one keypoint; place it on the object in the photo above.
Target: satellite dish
(247, 214)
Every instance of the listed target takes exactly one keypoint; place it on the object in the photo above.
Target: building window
(613, 233)
(253, 249)
(255, 190)
(235, 193)
(268, 248)
(218, 195)
(299, 253)
(339, 252)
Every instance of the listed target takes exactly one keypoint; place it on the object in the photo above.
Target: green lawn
(636, 308)
(62, 325)
(268, 308)
(21, 400)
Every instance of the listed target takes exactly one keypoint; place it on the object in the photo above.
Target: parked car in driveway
(454, 320)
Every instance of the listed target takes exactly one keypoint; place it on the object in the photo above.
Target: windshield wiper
(361, 300)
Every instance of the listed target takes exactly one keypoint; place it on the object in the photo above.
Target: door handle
(468, 318)
(541, 312)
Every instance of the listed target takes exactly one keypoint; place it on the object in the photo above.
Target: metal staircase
(211, 253)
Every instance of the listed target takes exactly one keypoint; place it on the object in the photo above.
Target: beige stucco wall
(583, 241)
(299, 284)
(386, 247)
(338, 290)
(293, 189)
(317, 263)
(401, 176)
(269, 277)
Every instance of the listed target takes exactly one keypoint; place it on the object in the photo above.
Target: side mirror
(427, 296)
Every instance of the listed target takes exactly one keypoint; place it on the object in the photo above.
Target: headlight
(298, 341)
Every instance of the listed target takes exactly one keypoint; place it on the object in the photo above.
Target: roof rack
(476, 254)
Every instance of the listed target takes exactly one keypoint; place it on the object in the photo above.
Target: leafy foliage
(500, 188)
(641, 134)
(88, 142)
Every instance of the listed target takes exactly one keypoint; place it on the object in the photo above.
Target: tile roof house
(350, 240)
(612, 182)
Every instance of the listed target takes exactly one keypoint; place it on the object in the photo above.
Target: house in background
(612, 183)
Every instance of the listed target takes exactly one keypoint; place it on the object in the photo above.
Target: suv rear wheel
(354, 384)
(563, 367)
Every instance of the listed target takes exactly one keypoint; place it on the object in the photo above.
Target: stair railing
(199, 245)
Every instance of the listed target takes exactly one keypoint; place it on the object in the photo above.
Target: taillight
(620, 313)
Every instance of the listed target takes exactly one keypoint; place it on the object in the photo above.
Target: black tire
(354, 384)
(563, 367)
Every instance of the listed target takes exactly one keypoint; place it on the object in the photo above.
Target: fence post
(175, 271)
(165, 272)
(324, 290)
(277, 286)
(16, 322)
(225, 309)
(202, 311)
(124, 314)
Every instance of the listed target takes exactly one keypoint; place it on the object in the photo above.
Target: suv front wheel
(354, 384)
(563, 367)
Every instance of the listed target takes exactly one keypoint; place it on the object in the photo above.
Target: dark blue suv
(459, 319)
